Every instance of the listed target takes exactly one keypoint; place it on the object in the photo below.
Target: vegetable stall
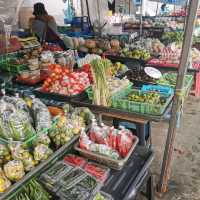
(54, 141)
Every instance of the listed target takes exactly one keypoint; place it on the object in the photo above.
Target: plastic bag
(4, 182)
(4, 154)
(42, 152)
(41, 114)
(125, 141)
(14, 170)
(19, 104)
(19, 153)
(62, 132)
(99, 134)
(85, 113)
(42, 139)
(14, 124)
(86, 143)
(117, 140)
(20, 126)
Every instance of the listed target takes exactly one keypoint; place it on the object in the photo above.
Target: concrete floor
(186, 164)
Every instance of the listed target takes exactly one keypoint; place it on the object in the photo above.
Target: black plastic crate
(131, 177)
(58, 97)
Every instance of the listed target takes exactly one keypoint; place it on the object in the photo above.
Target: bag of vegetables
(19, 153)
(14, 170)
(41, 114)
(4, 154)
(42, 152)
(4, 182)
(14, 124)
(19, 104)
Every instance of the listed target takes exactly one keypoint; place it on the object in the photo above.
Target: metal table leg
(150, 189)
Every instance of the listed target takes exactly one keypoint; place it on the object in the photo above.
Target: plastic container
(126, 183)
(83, 190)
(106, 196)
(187, 82)
(121, 102)
(58, 97)
(76, 192)
(12, 68)
(158, 88)
(120, 92)
(112, 163)
(75, 160)
(50, 187)
(100, 172)
(56, 172)
(69, 179)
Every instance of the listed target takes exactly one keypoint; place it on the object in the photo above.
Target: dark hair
(163, 7)
(39, 9)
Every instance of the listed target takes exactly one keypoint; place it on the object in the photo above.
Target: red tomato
(58, 70)
(48, 80)
(65, 70)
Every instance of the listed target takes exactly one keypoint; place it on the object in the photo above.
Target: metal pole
(157, 9)
(169, 148)
(88, 13)
(98, 11)
(141, 19)
(82, 8)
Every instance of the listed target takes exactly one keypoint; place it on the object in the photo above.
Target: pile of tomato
(62, 81)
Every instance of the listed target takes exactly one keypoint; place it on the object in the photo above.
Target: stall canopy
(174, 2)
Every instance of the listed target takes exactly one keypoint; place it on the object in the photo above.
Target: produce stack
(107, 141)
(62, 81)
(101, 91)
(29, 134)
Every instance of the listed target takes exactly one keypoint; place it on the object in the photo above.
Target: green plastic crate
(121, 92)
(187, 83)
(30, 138)
(121, 102)
(12, 68)
(6, 64)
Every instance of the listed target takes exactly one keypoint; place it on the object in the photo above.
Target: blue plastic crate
(161, 89)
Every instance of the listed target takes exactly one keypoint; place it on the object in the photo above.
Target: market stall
(67, 152)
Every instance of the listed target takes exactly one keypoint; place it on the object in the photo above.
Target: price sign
(133, 35)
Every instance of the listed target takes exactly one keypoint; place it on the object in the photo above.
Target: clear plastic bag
(19, 153)
(41, 114)
(4, 182)
(42, 152)
(14, 170)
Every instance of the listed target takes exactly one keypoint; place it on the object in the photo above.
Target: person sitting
(44, 26)
(164, 9)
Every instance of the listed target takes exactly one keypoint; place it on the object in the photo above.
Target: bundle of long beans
(100, 72)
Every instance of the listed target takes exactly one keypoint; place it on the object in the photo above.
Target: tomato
(48, 80)
(66, 71)
(45, 89)
(58, 70)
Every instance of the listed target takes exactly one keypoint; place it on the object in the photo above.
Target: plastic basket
(187, 83)
(122, 91)
(58, 97)
(112, 163)
(30, 139)
(161, 89)
(7, 66)
(121, 102)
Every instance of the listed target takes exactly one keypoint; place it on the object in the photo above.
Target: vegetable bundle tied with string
(100, 72)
